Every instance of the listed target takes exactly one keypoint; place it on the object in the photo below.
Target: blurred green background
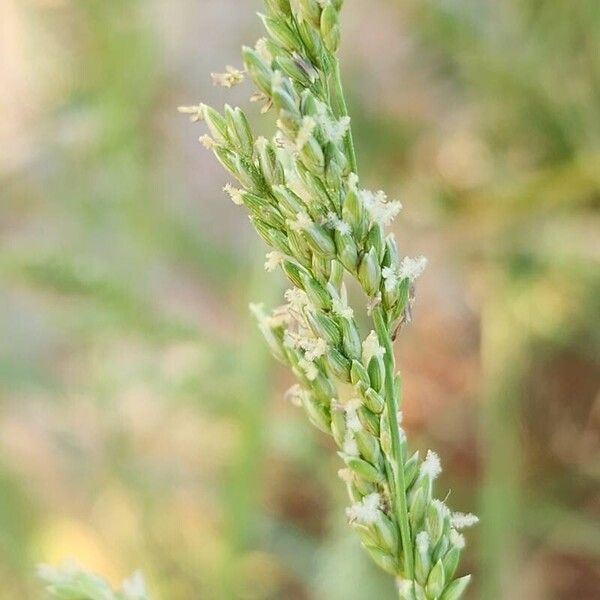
(142, 423)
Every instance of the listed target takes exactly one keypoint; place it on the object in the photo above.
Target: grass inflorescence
(302, 193)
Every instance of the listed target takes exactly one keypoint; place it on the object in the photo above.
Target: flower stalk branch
(340, 107)
(392, 399)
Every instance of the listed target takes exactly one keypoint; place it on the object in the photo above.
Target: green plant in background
(526, 215)
(109, 304)
(73, 583)
(302, 192)
(530, 214)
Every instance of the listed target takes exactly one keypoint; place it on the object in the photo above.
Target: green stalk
(338, 102)
(392, 396)
(392, 405)
(504, 359)
(241, 500)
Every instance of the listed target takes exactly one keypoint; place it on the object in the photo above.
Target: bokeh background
(142, 423)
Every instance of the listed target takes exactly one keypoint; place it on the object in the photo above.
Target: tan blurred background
(142, 423)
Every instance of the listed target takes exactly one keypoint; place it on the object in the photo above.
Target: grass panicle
(302, 193)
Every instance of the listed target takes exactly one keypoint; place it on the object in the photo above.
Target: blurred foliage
(141, 423)
(70, 582)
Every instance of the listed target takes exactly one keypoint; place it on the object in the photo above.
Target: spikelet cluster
(303, 197)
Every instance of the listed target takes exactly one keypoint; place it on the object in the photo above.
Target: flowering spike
(303, 197)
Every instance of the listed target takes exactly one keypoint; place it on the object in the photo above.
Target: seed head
(306, 204)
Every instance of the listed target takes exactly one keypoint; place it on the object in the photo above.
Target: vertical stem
(338, 101)
(392, 404)
(504, 361)
(241, 492)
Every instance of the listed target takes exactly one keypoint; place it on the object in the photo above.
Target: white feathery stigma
(350, 447)
(457, 539)
(365, 512)
(422, 540)
(262, 50)
(273, 261)
(390, 277)
(207, 141)
(305, 132)
(236, 195)
(335, 130)
(441, 507)
(196, 112)
(412, 267)
(332, 221)
(462, 521)
(380, 209)
(231, 77)
(313, 347)
(431, 466)
(309, 368)
(295, 394)
(301, 221)
(342, 309)
(296, 298)
(280, 317)
(345, 475)
(352, 421)
(371, 348)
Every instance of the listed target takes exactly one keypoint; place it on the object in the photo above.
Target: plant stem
(338, 102)
(392, 404)
(241, 500)
(505, 358)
